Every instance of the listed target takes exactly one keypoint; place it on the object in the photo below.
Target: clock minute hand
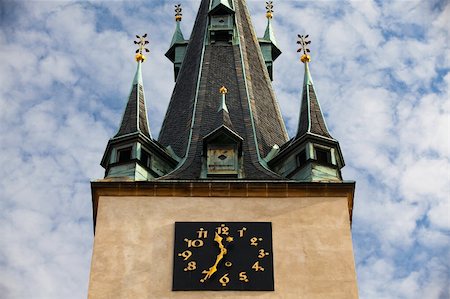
(220, 256)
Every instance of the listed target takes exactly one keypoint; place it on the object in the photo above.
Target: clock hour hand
(213, 268)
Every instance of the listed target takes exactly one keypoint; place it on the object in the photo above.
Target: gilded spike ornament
(303, 42)
(223, 90)
(178, 13)
(141, 42)
(269, 9)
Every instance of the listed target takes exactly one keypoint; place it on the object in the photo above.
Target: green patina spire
(138, 76)
(268, 42)
(269, 34)
(223, 104)
(178, 44)
(177, 35)
(307, 78)
(223, 114)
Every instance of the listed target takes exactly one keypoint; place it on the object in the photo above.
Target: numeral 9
(185, 254)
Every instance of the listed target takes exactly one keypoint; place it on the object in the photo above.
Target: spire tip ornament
(141, 42)
(178, 13)
(303, 42)
(269, 9)
(223, 90)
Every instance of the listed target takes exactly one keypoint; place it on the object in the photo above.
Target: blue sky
(381, 73)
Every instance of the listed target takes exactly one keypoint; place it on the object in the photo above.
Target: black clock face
(217, 256)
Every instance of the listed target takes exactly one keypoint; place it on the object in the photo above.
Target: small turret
(132, 154)
(268, 43)
(178, 44)
(313, 155)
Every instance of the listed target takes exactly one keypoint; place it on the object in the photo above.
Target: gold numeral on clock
(257, 267)
(191, 266)
(254, 241)
(243, 277)
(242, 231)
(202, 233)
(262, 253)
(194, 243)
(223, 229)
(185, 254)
(224, 280)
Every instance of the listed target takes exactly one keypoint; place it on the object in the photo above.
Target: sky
(381, 72)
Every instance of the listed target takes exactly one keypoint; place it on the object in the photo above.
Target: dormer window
(222, 149)
(145, 158)
(301, 158)
(124, 155)
(323, 155)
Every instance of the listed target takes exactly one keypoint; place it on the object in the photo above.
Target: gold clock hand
(223, 251)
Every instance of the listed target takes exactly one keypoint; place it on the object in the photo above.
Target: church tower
(223, 204)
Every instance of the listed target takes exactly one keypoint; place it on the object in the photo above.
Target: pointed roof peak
(178, 34)
(307, 77)
(223, 105)
(138, 75)
(221, 4)
(134, 119)
(223, 117)
(269, 34)
(311, 120)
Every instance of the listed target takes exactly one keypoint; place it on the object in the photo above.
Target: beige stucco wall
(133, 247)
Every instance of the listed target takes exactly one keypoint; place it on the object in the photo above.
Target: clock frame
(216, 256)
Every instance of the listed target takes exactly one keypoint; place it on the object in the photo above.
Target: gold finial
(178, 14)
(303, 42)
(269, 9)
(140, 57)
(223, 90)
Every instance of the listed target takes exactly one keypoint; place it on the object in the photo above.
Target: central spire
(223, 49)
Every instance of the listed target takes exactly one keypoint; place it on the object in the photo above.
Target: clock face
(216, 256)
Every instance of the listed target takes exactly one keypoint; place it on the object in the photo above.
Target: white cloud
(381, 74)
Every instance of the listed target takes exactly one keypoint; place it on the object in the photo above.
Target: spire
(313, 155)
(269, 35)
(132, 154)
(135, 116)
(178, 44)
(268, 43)
(223, 105)
(311, 118)
(223, 117)
(223, 49)
(177, 35)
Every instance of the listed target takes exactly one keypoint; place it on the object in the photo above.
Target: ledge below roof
(223, 188)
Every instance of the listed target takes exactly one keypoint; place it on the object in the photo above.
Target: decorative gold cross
(178, 12)
(303, 42)
(269, 9)
(141, 42)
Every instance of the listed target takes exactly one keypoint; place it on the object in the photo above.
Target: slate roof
(251, 102)
(311, 117)
(135, 116)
